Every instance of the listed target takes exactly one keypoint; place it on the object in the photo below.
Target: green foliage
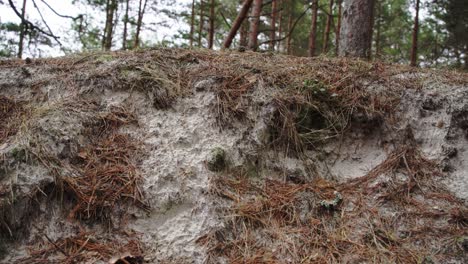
(8, 39)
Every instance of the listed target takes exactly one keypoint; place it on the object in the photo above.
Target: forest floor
(197, 156)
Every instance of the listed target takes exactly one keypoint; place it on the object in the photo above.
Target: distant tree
(192, 23)
(326, 34)
(9, 33)
(338, 26)
(313, 29)
(212, 25)
(273, 15)
(125, 21)
(139, 23)
(237, 23)
(454, 15)
(414, 43)
(22, 30)
(201, 23)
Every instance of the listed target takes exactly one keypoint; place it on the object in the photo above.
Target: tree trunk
(378, 27)
(244, 31)
(109, 29)
(192, 24)
(22, 30)
(104, 33)
(326, 34)
(243, 35)
(254, 23)
(414, 44)
(125, 29)
(289, 39)
(237, 23)
(141, 12)
(280, 24)
(313, 29)
(338, 27)
(212, 18)
(273, 25)
(356, 28)
(201, 24)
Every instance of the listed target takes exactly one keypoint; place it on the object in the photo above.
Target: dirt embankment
(177, 156)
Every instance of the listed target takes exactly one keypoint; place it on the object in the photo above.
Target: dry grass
(98, 183)
(11, 115)
(106, 170)
(397, 213)
(83, 247)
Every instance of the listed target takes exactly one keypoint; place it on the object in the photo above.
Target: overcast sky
(62, 26)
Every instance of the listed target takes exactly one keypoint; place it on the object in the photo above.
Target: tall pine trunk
(313, 29)
(192, 24)
(244, 35)
(237, 23)
(280, 24)
(289, 39)
(414, 44)
(273, 24)
(244, 31)
(356, 28)
(201, 24)
(338, 27)
(125, 29)
(109, 29)
(378, 28)
(326, 34)
(212, 18)
(254, 23)
(141, 13)
(22, 30)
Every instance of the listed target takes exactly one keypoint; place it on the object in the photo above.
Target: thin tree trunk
(192, 24)
(414, 45)
(254, 23)
(273, 25)
(22, 30)
(237, 23)
(280, 24)
(104, 33)
(244, 31)
(378, 26)
(111, 8)
(356, 28)
(338, 27)
(289, 39)
(125, 29)
(243, 35)
(141, 13)
(201, 24)
(212, 18)
(313, 29)
(326, 34)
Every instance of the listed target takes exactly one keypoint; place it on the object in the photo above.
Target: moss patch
(217, 160)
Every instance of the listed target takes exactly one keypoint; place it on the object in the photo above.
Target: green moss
(332, 204)
(308, 118)
(217, 159)
(19, 154)
(104, 58)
